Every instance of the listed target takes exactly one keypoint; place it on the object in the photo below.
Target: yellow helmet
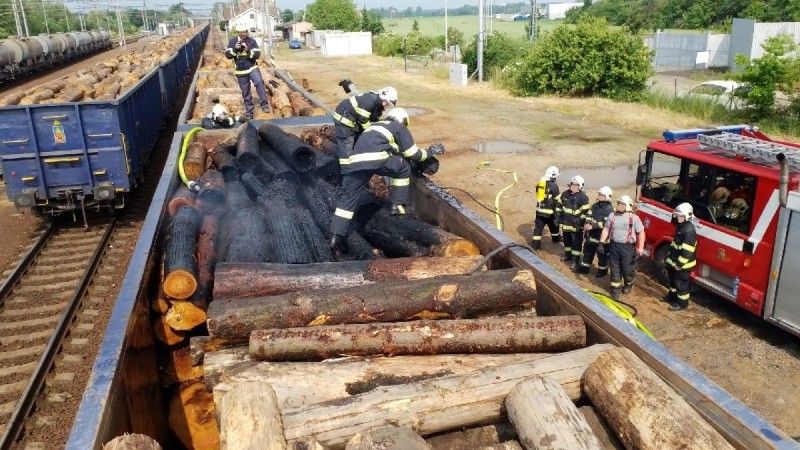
(720, 195)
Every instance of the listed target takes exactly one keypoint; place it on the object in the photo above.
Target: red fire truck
(743, 187)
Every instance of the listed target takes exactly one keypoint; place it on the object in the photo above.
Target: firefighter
(681, 258)
(244, 51)
(383, 149)
(354, 114)
(625, 235)
(573, 204)
(546, 199)
(592, 229)
(219, 118)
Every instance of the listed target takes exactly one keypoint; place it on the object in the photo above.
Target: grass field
(434, 26)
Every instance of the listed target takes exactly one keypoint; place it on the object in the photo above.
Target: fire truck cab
(743, 187)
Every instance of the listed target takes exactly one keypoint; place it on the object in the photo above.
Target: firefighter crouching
(244, 51)
(219, 118)
(681, 258)
(383, 149)
(546, 198)
(592, 229)
(573, 204)
(625, 231)
(355, 114)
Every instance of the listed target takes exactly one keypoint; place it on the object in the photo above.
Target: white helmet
(627, 201)
(389, 94)
(605, 190)
(551, 173)
(219, 111)
(577, 179)
(685, 210)
(398, 115)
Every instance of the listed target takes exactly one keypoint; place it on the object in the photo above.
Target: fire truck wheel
(660, 265)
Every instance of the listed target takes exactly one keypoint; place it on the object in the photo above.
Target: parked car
(718, 91)
(295, 44)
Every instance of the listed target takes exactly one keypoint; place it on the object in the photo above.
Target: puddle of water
(502, 147)
(415, 111)
(581, 135)
(617, 176)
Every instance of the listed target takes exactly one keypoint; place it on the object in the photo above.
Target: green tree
(388, 44)
(287, 15)
(415, 26)
(768, 74)
(455, 36)
(498, 51)
(586, 60)
(334, 15)
(415, 43)
(371, 21)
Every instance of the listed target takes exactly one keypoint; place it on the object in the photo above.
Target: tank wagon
(107, 407)
(66, 157)
(20, 56)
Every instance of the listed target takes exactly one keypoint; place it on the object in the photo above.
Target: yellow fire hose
(485, 166)
(621, 311)
(182, 156)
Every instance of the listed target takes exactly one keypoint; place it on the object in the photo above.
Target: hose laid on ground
(485, 166)
(619, 310)
(189, 183)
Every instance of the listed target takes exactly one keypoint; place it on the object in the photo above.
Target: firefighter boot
(580, 268)
(398, 209)
(627, 288)
(556, 239)
(669, 297)
(536, 245)
(601, 273)
(614, 294)
(567, 258)
(678, 305)
(338, 244)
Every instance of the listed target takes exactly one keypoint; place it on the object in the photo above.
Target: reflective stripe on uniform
(413, 150)
(359, 110)
(387, 134)
(245, 72)
(544, 211)
(343, 213)
(364, 157)
(343, 120)
(687, 247)
(401, 181)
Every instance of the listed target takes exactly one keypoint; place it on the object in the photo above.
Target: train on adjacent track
(20, 56)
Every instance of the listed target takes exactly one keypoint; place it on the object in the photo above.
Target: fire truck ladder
(752, 147)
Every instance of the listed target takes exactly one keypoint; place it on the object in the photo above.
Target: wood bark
(192, 417)
(194, 163)
(642, 409)
(476, 438)
(300, 384)
(306, 443)
(165, 333)
(178, 367)
(226, 163)
(247, 140)
(299, 155)
(435, 405)
(319, 141)
(545, 417)
(406, 236)
(196, 347)
(238, 280)
(446, 297)
(280, 101)
(245, 236)
(183, 196)
(180, 262)
(207, 257)
(608, 440)
(424, 337)
(211, 198)
(249, 419)
(387, 438)
(12, 99)
(236, 196)
(132, 442)
(160, 303)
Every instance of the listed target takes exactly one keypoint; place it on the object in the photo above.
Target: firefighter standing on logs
(573, 204)
(592, 229)
(385, 148)
(355, 114)
(546, 197)
(681, 258)
(244, 51)
(625, 231)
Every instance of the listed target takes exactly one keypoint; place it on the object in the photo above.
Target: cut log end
(184, 316)
(460, 247)
(180, 284)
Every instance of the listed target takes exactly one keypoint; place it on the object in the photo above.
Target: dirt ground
(16, 230)
(600, 140)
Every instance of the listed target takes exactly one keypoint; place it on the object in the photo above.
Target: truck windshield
(718, 195)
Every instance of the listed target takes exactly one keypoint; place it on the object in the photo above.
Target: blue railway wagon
(112, 406)
(75, 156)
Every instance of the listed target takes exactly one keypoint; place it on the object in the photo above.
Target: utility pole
(66, 16)
(534, 21)
(44, 12)
(16, 17)
(481, 31)
(120, 28)
(24, 19)
(144, 14)
(446, 43)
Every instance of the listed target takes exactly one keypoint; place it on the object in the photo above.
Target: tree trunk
(186, 315)
(246, 236)
(424, 337)
(238, 280)
(132, 442)
(178, 367)
(226, 163)
(165, 334)
(182, 197)
(545, 417)
(318, 140)
(12, 98)
(194, 163)
(236, 196)
(211, 198)
(642, 409)
(196, 344)
(403, 236)
(207, 256)
(298, 102)
(300, 384)
(435, 405)
(476, 438)
(280, 102)
(446, 297)
(387, 438)
(247, 140)
(160, 303)
(192, 418)
(180, 262)
(294, 151)
(249, 419)
(306, 443)
(608, 440)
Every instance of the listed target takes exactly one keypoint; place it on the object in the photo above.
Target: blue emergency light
(677, 135)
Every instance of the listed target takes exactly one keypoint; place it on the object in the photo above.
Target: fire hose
(485, 166)
(189, 183)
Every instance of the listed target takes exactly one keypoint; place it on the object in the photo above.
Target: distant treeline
(466, 10)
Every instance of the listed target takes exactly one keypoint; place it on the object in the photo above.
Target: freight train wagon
(68, 157)
(123, 373)
(20, 56)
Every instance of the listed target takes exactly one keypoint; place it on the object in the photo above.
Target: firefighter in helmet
(244, 52)
(385, 148)
(592, 229)
(353, 115)
(624, 232)
(681, 259)
(573, 205)
(219, 118)
(546, 194)
(719, 198)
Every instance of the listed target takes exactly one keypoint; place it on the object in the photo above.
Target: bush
(590, 59)
(773, 72)
(388, 44)
(418, 44)
(498, 51)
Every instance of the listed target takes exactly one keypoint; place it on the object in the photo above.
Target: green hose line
(621, 311)
(182, 156)
(485, 166)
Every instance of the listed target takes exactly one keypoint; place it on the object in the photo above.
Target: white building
(251, 15)
(554, 11)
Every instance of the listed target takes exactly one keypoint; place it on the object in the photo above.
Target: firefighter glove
(436, 149)
(601, 249)
(345, 84)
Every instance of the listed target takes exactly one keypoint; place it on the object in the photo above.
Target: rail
(25, 262)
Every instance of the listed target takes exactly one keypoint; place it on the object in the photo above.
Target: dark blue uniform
(597, 219)
(382, 149)
(351, 117)
(246, 71)
(680, 262)
(546, 214)
(571, 209)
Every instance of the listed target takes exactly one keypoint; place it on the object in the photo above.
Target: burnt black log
(226, 163)
(211, 198)
(246, 237)
(236, 196)
(180, 260)
(326, 168)
(299, 155)
(407, 236)
(247, 140)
